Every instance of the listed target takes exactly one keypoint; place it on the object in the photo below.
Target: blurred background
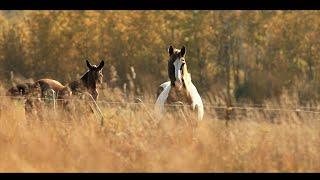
(238, 56)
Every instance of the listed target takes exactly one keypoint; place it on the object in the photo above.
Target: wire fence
(250, 107)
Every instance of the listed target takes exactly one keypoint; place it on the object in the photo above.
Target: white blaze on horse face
(178, 72)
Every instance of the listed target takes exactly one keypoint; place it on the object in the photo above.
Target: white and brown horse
(180, 87)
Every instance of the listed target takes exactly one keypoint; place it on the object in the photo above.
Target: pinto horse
(180, 87)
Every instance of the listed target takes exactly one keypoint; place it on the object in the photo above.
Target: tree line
(240, 56)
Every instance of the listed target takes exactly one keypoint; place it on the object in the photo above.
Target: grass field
(131, 140)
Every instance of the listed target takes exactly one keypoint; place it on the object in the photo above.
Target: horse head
(177, 67)
(92, 77)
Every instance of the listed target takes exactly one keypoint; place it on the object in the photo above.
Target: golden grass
(131, 141)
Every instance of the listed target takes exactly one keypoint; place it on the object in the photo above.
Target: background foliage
(236, 55)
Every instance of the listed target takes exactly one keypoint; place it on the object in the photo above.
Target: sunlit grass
(133, 141)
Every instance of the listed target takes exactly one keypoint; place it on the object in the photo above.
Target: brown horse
(30, 92)
(40, 87)
(87, 83)
(21, 89)
(33, 91)
(46, 84)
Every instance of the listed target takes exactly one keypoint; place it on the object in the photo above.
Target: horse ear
(170, 50)
(88, 64)
(183, 51)
(100, 65)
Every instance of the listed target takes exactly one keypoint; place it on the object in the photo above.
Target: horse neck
(86, 81)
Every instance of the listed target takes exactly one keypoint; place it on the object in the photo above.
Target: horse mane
(186, 77)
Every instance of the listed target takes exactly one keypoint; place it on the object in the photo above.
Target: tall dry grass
(132, 141)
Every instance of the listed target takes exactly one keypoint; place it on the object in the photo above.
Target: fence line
(301, 109)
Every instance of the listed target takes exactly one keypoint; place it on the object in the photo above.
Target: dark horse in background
(87, 83)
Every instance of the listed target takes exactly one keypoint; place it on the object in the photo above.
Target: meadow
(134, 139)
(256, 71)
